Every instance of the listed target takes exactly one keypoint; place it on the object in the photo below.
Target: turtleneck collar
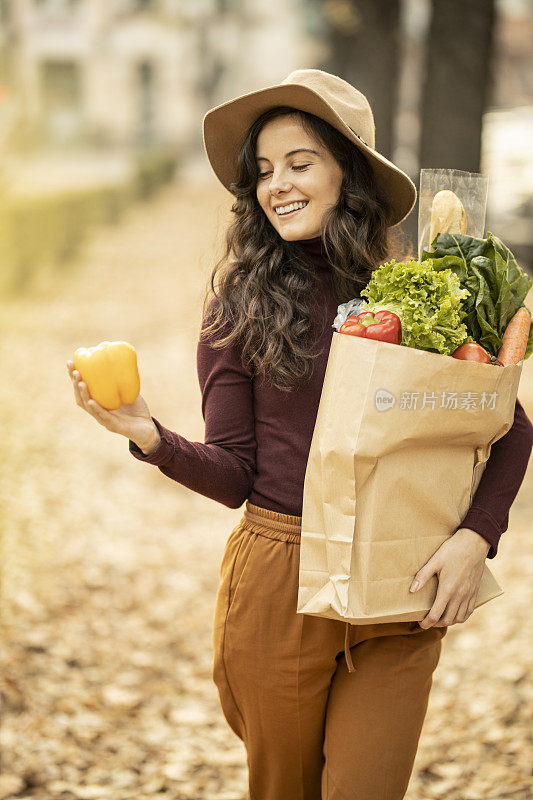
(314, 248)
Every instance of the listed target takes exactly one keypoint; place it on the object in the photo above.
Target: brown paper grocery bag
(401, 439)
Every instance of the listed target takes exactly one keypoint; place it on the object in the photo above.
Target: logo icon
(384, 400)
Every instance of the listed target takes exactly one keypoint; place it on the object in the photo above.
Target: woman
(314, 726)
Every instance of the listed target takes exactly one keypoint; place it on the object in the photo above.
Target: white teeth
(291, 207)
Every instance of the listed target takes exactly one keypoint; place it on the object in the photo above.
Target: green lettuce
(497, 286)
(428, 302)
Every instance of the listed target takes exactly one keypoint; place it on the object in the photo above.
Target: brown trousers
(315, 727)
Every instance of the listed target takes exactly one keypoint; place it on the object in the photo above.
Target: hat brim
(225, 128)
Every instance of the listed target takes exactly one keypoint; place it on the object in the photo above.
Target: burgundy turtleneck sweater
(257, 438)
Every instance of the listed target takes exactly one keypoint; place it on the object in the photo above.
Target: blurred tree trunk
(457, 83)
(363, 39)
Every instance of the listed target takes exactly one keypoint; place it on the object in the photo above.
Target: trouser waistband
(285, 528)
(274, 524)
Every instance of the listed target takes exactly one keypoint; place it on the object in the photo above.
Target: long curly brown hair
(266, 283)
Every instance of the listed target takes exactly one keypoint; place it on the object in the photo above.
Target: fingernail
(415, 586)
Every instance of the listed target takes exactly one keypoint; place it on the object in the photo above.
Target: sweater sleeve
(223, 467)
(503, 475)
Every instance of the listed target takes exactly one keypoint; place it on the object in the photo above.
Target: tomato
(471, 351)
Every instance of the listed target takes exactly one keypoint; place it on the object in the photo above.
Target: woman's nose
(278, 184)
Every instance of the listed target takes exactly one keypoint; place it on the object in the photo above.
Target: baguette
(447, 215)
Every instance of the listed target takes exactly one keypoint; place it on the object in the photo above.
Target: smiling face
(311, 176)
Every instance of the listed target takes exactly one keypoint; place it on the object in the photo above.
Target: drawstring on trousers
(347, 653)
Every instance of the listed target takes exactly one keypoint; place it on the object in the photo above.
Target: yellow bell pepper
(110, 371)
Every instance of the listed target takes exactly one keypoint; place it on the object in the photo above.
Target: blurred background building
(128, 72)
(85, 85)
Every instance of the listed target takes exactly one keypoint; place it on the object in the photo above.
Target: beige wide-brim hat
(327, 96)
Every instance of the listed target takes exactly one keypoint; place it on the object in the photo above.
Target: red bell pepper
(384, 326)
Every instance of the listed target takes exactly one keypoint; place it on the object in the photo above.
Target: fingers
(76, 382)
(455, 611)
(471, 604)
(463, 614)
(81, 392)
(437, 609)
(451, 613)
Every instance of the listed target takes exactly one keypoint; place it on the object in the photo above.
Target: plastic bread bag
(450, 201)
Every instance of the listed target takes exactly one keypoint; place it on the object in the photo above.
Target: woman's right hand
(132, 420)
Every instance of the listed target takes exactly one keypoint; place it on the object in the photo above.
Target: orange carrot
(514, 341)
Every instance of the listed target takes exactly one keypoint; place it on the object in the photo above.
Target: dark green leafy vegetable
(497, 285)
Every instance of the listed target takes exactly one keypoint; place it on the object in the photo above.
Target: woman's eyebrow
(291, 153)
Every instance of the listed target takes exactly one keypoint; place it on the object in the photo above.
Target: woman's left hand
(459, 564)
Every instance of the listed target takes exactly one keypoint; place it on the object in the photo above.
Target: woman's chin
(296, 233)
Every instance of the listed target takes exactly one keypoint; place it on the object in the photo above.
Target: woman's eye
(297, 167)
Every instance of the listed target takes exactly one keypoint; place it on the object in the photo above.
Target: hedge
(50, 230)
